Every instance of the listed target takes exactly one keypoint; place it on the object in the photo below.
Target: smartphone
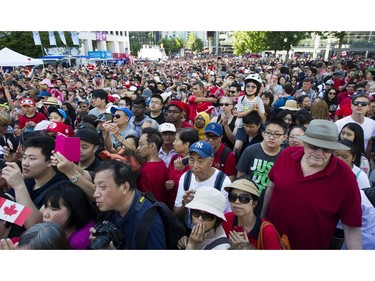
(109, 117)
(239, 229)
(185, 161)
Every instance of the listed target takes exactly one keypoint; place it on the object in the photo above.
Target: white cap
(167, 127)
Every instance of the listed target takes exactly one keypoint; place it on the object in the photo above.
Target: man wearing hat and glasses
(311, 190)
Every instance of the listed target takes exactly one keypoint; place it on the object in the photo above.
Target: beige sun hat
(322, 133)
(291, 105)
(244, 185)
(210, 200)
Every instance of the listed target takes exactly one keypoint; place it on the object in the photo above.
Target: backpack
(224, 155)
(370, 193)
(284, 241)
(173, 227)
(218, 182)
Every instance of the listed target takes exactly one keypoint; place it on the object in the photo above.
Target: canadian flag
(13, 212)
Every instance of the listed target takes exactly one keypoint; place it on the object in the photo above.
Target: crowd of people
(228, 144)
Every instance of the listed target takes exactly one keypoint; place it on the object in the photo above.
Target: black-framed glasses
(314, 147)
(243, 198)
(205, 216)
(211, 136)
(248, 86)
(332, 93)
(224, 104)
(117, 116)
(232, 92)
(275, 135)
(362, 103)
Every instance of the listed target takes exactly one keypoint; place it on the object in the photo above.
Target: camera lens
(100, 242)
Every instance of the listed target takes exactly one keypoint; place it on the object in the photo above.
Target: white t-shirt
(361, 176)
(368, 127)
(194, 185)
(244, 104)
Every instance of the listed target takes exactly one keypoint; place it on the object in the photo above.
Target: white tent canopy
(12, 58)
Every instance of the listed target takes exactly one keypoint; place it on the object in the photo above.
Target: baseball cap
(214, 128)
(203, 148)
(167, 127)
(89, 135)
(126, 110)
(46, 82)
(59, 127)
(59, 111)
(27, 102)
(329, 82)
(43, 94)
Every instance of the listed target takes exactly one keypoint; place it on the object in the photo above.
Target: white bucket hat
(210, 200)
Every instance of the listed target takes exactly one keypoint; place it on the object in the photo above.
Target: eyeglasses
(332, 93)
(232, 92)
(325, 150)
(205, 216)
(224, 104)
(362, 103)
(211, 136)
(248, 86)
(243, 198)
(155, 101)
(275, 135)
(82, 106)
(117, 116)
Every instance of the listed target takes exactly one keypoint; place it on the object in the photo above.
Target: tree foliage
(258, 41)
(23, 42)
(248, 42)
(340, 35)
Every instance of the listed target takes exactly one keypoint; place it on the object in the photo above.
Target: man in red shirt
(311, 190)
(213, 134)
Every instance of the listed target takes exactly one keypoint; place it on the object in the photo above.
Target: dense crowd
(228, 144)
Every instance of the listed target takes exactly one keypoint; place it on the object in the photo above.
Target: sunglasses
(251, 86)
(232, 92)
(363, 103)
(205, 216)
(332, 93)
(325, 150)
(117, 116)
(243, 198)
(224, 104)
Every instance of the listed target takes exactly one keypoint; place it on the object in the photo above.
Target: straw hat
(291, 105)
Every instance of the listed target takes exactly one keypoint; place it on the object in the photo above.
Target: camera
(105, 233)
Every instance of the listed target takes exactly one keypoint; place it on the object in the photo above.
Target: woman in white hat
(207, 214)
(242, 224)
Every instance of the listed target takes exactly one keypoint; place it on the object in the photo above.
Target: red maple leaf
(10, 211)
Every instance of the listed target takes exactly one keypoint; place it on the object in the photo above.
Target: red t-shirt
(270, 238)
(229, 166)
(175, 175)
(153, 176)
(36, 118)
(307, 209)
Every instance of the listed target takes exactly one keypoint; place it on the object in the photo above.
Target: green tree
(198, 45)
(283, 41)
(191, 40)
(177, 44)
(167, 45)
(23, 42)
(249, 42)
(135, 47)
(340, 35)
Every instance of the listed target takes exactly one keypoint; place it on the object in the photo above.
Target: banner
(52, 39)
(104, 35)
(62, 37)
(36, 37)
(74, 36)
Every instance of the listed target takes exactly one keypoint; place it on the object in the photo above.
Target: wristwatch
(75, 178)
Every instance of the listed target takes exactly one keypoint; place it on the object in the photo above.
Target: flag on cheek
(13, 212)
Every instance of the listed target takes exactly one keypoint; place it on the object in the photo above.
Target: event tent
(12, 58)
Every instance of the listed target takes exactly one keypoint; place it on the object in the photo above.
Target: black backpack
(218, 182)
(173, 227)
(370, 193)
